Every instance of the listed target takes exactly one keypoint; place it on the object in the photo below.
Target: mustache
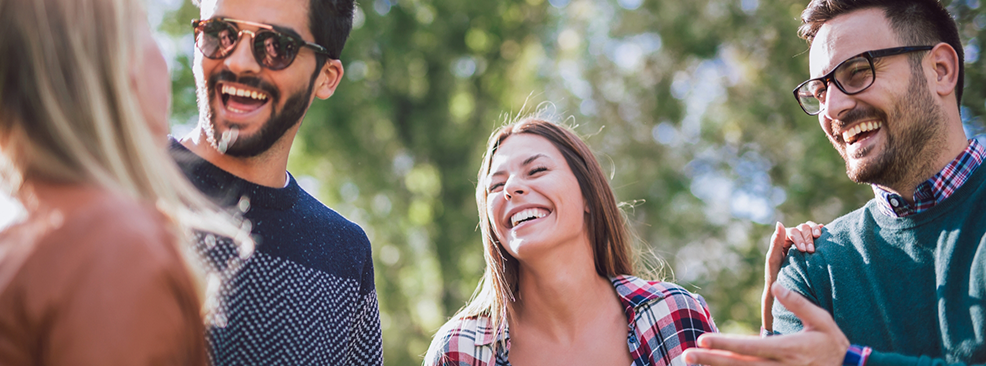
(855, 115)
(253, 82)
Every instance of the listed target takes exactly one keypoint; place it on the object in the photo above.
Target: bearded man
(901, 280)
(306, 296)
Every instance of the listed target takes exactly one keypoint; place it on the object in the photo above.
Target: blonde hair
(68, 113)
(609, 236)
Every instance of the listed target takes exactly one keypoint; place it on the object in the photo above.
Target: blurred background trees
(687, 103)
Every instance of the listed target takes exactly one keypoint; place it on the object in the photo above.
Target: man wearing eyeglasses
(306, 296)
(901, 280)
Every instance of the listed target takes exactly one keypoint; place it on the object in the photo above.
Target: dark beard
(276, 126)
(907, 150)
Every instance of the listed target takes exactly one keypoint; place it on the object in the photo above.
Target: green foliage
(688, 103)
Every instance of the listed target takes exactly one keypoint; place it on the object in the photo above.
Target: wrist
(764, 332)
(856, 355)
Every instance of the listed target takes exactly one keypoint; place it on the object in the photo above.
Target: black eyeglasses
(851, 76)
(218, 37)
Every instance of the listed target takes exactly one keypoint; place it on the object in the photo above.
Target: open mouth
(861, 131)
(242, 100)
(527, 215)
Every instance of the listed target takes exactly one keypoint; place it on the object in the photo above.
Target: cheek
(153, 89)
(825, 125)
(494, 208)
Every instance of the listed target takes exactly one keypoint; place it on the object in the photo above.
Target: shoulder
(115, 258)
(119, 224)
(110, 226)
(840, 230)
(463, 341)
(844, 236)
(310, 206)
(659, 300)
(636, 291)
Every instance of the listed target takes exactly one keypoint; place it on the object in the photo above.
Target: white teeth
(226, 89)
(860, 128)
(530, 213)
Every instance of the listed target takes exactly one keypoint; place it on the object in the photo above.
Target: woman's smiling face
(533, 199)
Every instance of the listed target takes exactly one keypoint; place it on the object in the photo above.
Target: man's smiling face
(252, 106)
(882, 131)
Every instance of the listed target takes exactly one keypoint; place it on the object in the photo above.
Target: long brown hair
(608, 234)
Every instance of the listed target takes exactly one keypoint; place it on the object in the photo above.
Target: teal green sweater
(912, 288)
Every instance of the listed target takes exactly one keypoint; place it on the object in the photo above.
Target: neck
(267, 169)
(559, 293)
(39, 196)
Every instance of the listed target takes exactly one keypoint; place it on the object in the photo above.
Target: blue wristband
(764, 333)
(856, 355)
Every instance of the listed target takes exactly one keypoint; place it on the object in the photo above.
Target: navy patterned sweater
(306, 295)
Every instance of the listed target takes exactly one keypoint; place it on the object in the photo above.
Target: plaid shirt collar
(935, 190)
(633, 293)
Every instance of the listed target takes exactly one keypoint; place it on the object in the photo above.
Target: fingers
(778, 247)
(807, 237)
(778, 240)
(748, 348)
(816, 228)
(699, 356)
(812, 316)
(795, 236)
(775, 255)
(803, 236)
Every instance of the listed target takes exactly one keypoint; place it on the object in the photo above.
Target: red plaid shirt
(932, 191)
(663, 320)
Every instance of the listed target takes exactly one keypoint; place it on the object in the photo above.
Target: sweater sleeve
(366, 347)
(895, 359)
(796, 275)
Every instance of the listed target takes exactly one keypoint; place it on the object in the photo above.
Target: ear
(328, 79)
(945, 65)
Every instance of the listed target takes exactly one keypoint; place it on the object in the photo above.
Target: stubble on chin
(914, 131)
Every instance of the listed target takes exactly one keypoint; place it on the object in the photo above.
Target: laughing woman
(558, 286)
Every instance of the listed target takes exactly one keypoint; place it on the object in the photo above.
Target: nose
(836, 102)
(514, 186)
(241, 61)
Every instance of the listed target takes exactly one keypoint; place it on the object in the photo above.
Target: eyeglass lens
(217, 39)
(851, 77)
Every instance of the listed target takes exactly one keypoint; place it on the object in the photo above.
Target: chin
(522, 248)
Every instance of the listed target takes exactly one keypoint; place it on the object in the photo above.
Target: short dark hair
(330, 22)
(916, 22)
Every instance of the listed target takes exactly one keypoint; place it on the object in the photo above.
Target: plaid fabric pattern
(935, 190)
(663, 320)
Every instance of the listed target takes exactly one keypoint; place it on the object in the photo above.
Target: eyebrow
(532, 158)
(526, 162)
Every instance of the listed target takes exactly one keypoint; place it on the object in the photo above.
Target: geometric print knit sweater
(306, 294)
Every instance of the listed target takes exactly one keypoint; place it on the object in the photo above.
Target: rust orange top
(94, 278)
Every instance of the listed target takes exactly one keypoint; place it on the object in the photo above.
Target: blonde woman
(558, 287)
(98, 272)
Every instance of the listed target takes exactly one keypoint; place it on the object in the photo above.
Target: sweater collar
(229, 190)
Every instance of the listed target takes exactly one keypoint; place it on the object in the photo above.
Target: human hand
(819, 343)
(802, 237)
